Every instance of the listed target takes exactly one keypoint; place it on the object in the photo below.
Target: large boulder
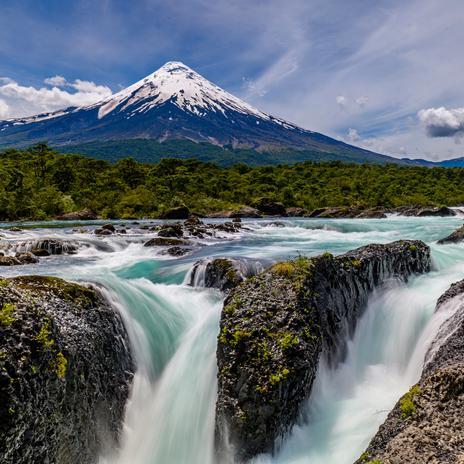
(274, 327)
(455, 237)
(180, 212)
(171, 230)
(83, 215)
(65, 371)
(245, 212)
(427, 423)
(166, 241)
(420, 211)
(222, 273)
(271, 207)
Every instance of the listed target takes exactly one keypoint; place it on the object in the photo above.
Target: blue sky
(386, 75)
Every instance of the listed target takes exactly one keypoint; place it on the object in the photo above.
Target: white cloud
(27, 100)
(353, 136)
(362, 101)
(4, 109)
(56, 81)
(442, 122)
(342, 101)
(347, 103)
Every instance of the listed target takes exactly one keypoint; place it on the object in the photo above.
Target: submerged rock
(274, 327)
(427, 423)
(65, 370)
(455, 237)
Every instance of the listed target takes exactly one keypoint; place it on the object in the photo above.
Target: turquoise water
(173, 330)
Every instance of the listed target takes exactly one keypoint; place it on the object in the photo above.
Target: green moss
(68, 291)
(284, 269)
(44, 336)
(407, 404)
(287, 340)
(280, 375)
(3, 283)
(6, 314)
(412, 248)
(356, 263)
(60, 365)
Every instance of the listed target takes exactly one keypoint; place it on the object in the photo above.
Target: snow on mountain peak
(183, 87)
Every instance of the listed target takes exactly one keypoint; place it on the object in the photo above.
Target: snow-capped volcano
(182, 86)
(173, 103)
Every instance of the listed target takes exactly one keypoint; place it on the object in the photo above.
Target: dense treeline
(40, 183)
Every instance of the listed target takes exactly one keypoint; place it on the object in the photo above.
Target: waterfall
(170, 415)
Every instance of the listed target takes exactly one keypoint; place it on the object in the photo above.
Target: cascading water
(173, 330)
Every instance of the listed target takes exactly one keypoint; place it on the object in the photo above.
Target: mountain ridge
(175, 103)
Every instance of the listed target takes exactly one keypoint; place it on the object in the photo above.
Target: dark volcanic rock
(46, 247)
(455, 237)
(177, 251)
(65, 371)
(222, 273)
(245, 212)
(40, 252)
(9, 261)
(420, 211)
(372, 213)
(26, 258)
(165, 241)
(337, 212)
(296, 212)
(181, 212)
(271, 207)
(427, 423)
(84, 215)
(274, 327)
(171, 230)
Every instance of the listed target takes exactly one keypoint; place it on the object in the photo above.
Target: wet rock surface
(274, 327)
(455, 237)
(65, 371)
(223, 273)
(427, 423)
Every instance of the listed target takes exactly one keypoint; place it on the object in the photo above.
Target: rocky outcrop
(223, 273)
(42, 247)
(427, 423)
(348, 212)
(18, 259)
(180, 212)
(455, 237)
(165, 241)
(245, 212)
(84, 215)
(274, 327)
(65, 370)
(297, 212)
(268, 206)
(420, 211)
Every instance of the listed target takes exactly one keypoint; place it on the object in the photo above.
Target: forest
(41, 183)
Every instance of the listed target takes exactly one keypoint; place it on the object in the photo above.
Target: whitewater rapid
(173, 329)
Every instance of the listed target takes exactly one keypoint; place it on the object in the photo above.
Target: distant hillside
(151, 151)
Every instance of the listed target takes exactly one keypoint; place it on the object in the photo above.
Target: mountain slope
(176, 103)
